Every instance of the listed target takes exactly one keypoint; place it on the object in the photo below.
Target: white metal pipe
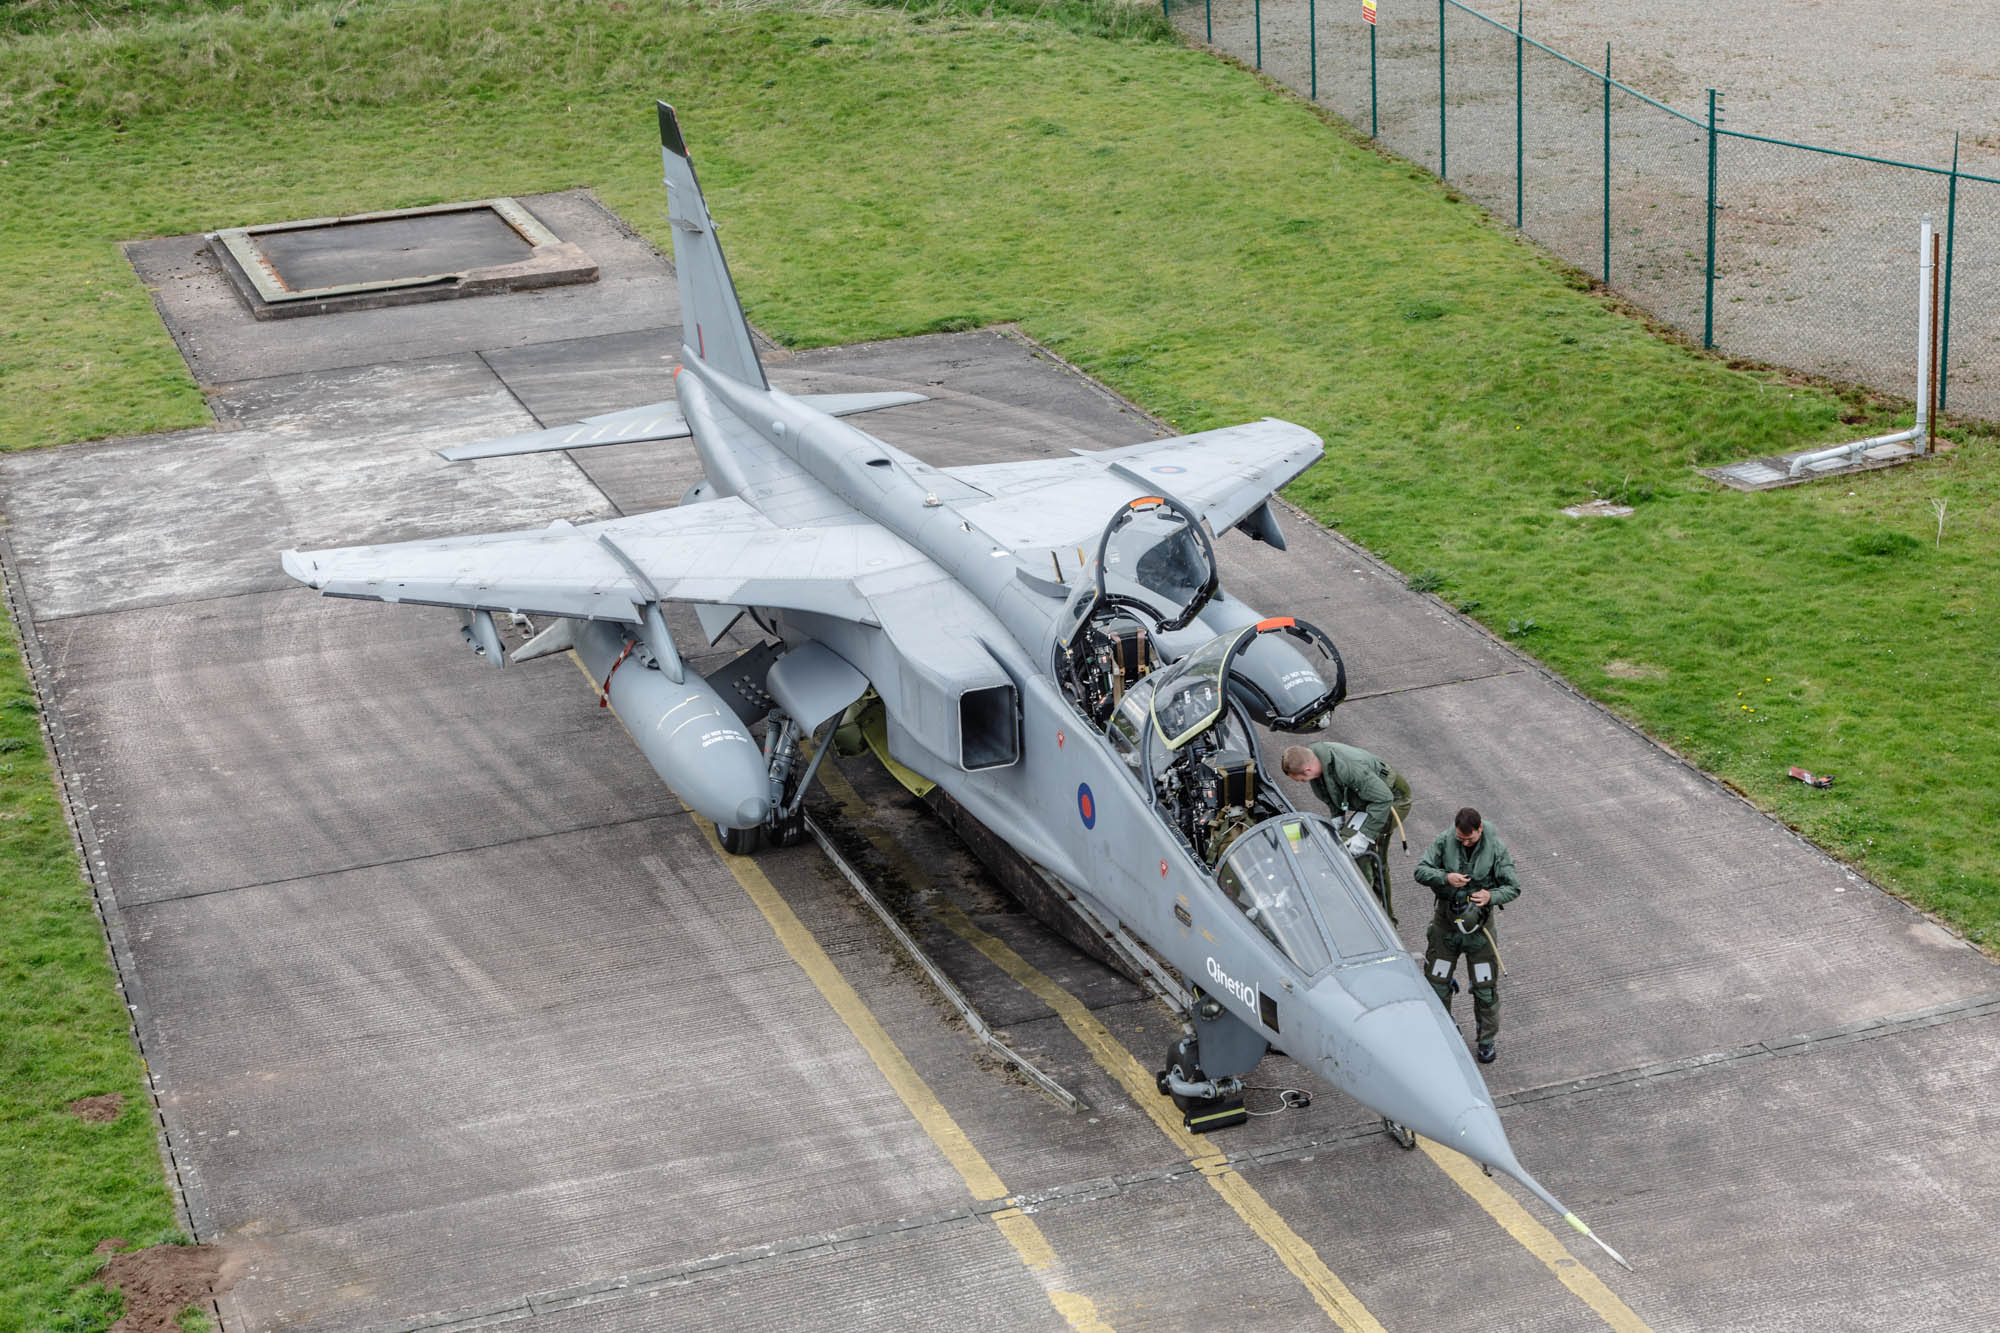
(1925, 276)
(1803, 461)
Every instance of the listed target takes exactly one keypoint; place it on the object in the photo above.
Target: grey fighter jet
(1043, 640)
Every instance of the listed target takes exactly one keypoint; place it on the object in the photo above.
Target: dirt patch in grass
(98, 1110)
(1620, 670)
(160, 1281)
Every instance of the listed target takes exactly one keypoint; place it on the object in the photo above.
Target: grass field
(1205, 244)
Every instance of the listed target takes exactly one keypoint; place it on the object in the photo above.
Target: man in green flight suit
(1473, 877)
(1349, 779)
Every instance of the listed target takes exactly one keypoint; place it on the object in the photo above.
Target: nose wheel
(741, 841)
(788, 831)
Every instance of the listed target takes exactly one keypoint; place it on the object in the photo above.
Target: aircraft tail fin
(711, 316)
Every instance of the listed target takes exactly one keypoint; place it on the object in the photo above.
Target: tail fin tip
(670, 131)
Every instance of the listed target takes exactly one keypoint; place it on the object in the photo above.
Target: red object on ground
(1825, 780)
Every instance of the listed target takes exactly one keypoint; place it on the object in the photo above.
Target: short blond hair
(1293, 760)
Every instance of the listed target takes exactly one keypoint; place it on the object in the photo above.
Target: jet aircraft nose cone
(1479, 1136)
(1405, 1060)
(752, 812)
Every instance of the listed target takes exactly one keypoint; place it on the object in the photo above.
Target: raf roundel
(1086, 805)
(1170, 469)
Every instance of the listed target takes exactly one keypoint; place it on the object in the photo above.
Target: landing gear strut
(789, 831)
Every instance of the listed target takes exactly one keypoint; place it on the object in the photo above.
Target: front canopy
(1290, 876)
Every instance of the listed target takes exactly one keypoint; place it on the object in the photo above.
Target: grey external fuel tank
(693, 740)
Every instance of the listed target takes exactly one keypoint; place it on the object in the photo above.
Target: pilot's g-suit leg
(1445, 946)
(1440, 958)
(1482, 960)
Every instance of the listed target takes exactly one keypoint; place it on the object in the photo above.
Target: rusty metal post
(1441, 149)
(1950, 237)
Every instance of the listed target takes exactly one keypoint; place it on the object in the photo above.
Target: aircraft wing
(1224, 476)
(720, 551)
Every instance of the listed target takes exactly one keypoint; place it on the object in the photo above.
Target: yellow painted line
(1535, 1238)
(1249, 1205)
(979, 1177)
(1332, 1295)
(1328, 1291)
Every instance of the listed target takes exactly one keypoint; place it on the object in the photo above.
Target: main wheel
(741, 841)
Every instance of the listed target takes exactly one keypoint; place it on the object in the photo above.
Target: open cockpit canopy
(1155, 571)
(1155, 557)
(1275, 668)
(1291, 877)
(1287, 674)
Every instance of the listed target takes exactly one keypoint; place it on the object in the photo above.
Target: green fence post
(1441, 174)
(1520, 13)
(1312, 44)
(1607, 164)
(1260, 33)
(1950, 227)
(1165, 12)
(1374, 120)
(1708, 302)
(1208, 8)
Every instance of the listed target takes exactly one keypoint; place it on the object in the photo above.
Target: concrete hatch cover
(282, 269)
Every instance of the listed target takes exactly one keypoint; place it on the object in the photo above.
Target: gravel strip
(1816, 254)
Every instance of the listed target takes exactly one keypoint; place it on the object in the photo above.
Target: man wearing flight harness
(1349, 779)
(1473, 877)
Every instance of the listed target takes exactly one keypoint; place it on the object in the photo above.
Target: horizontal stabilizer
(655, 421)
(847, 404)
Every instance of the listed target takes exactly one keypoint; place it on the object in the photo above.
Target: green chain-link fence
(1777, 251)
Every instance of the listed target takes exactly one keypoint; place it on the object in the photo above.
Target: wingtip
(670, 131)
(300, 568)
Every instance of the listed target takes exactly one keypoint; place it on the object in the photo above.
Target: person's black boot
(1487, 1053)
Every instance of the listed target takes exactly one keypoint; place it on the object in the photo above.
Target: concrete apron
(454, 1016)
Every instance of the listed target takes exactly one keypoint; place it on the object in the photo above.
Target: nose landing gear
(1205, 1104)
